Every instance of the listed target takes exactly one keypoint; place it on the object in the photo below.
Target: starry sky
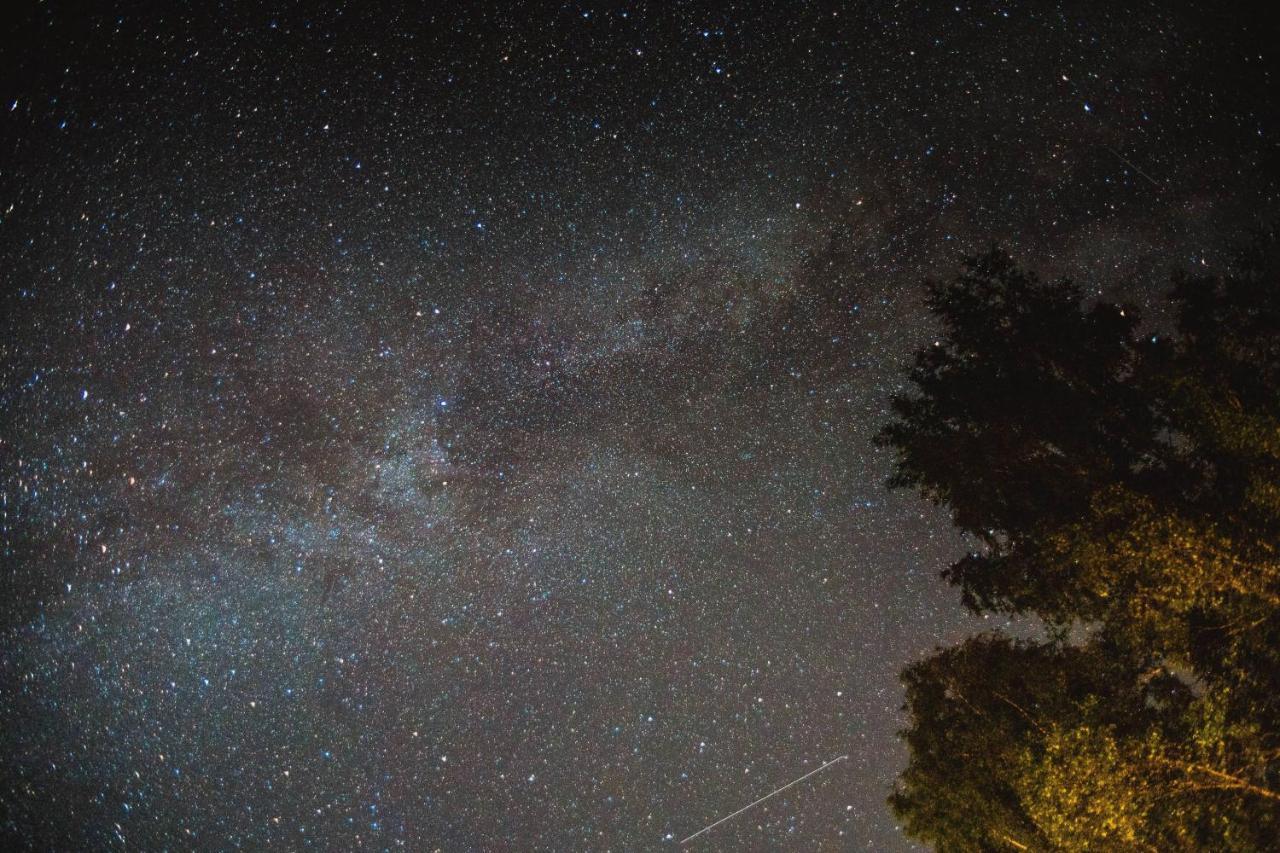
(451, 429)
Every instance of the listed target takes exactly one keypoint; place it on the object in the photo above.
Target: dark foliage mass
(1123, 486)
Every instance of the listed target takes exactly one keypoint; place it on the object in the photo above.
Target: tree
(1124, 488)
(977, 709)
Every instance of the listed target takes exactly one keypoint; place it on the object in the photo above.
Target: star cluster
(452, 429)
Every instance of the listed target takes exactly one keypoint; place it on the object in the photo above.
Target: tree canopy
(1123, 486)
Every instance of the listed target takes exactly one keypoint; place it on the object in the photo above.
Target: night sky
(452, 430)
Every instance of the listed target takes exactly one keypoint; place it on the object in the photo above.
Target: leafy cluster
(1123, 487)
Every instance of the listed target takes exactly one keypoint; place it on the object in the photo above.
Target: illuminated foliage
(1124, 489)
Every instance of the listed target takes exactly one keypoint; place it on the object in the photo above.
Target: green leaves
(1128, 486)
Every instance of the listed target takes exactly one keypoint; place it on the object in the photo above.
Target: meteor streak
(762, 799)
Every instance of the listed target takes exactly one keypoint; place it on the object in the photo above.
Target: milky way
(454, 430)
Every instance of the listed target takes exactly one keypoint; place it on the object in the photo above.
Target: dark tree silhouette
(1124, 487)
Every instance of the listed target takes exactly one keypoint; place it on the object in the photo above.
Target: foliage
(1123, 487)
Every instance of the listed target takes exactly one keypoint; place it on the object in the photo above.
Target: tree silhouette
(1123, 487)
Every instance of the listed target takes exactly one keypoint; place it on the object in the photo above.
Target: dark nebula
(451, 429)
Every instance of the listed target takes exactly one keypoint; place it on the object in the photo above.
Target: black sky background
(451, 427)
